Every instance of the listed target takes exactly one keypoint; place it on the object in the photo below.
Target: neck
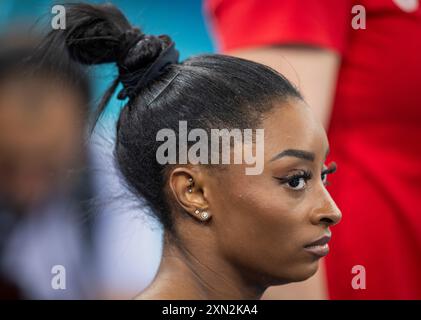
(198, 273)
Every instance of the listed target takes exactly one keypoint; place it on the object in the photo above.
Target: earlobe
(187, 189)
(204, 215)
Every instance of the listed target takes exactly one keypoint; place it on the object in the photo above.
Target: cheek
(260, 226)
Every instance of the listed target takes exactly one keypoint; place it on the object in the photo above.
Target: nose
(326, 212)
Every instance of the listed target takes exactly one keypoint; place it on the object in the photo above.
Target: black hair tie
(132, 83)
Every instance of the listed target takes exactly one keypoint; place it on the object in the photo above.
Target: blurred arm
(313, 70)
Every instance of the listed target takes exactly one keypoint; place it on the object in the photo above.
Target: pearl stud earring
(204, 215)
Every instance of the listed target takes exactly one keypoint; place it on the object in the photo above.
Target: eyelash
(307, 175)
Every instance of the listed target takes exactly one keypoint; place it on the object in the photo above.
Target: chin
(301, 272)
(310, 270)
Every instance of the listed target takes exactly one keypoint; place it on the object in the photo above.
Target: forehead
(292, 125)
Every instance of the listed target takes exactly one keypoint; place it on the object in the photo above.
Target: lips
(320, 247)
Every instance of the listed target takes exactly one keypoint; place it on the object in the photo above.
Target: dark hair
(207, 91)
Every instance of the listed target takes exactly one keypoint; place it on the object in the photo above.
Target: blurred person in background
(362, 79)
(45, 187)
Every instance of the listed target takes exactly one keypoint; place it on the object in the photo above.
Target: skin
(258, 226)
(302, 65)
(40, 140)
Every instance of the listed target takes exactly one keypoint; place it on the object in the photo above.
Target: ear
(188, 188)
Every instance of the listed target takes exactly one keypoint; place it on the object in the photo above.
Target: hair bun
(93, 32)
(100, 33)
(128, 39)
(134, 81)
(141, 53)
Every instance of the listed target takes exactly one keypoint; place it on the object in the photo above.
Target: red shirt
(375, 129)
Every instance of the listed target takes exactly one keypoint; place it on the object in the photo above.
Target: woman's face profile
(265, 223)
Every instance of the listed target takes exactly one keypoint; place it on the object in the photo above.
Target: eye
(324, 178)
(326, 171)
(297, 183)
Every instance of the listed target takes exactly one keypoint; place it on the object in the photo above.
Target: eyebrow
(302, 154)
